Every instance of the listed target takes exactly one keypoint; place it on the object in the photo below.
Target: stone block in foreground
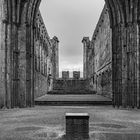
(77, 126)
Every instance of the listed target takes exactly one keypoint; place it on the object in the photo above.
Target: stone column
(132, 56)
(32, 65)
(26, 65)
(85, 42)
(9, 59)
(29, 66)
(3, 50)
(138, 66)
(125, 65)
(55, 56)
(117, 45)
(14, 65)
(22, 65)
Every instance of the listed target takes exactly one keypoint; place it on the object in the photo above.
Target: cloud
(70, 21)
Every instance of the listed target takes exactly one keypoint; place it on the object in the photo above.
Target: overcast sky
(70, 21)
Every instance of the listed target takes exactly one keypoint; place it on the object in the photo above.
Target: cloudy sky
(70, 21)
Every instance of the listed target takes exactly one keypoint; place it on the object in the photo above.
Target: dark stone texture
(17, 71)
(72, 86)
(99, 57)
(77, 126)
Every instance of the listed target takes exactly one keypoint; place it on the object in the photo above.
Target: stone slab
(73, 100)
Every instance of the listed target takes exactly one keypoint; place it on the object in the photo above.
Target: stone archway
(17, 57)
(125, 52)
(17, 51)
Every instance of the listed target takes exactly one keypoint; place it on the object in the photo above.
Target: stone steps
(73, 100)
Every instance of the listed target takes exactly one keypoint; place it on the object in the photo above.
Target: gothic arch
(17, 63)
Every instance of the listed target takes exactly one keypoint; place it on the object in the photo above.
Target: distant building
(65, 74)
(76, 74)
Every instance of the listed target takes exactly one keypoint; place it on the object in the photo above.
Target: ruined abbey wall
(102, 44)
(98, 57)
(72, 86)
(17, 70)
(43, 58)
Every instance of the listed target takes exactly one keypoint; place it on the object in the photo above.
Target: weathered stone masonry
(88, 62)
(25, 46)
(2, 56)
(101, 44)
(122, 64)
(71, 85)
(55, 57)
(86, 47)
(17, 52)
(46, 58)
(42, 46)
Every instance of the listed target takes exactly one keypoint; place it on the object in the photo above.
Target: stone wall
(71, 85)
(104, 82)
(98, 57)
(102, 43)
(43, 58)
(2, 56)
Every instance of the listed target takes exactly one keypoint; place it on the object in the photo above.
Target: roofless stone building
(98, 56)
(17, 67)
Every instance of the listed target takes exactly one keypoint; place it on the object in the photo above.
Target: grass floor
(48, 123)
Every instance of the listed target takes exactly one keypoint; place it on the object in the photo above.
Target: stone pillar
(86, 43)
(125, 65)
(132, 56)
(32, 102)
(22, 65)
(55, 55)
(30, 65)
(138, 66)
(14, 64)
(3, 61)
(117, 45)
(9, 60)
(8, 66)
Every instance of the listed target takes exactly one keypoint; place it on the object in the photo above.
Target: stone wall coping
(77, 114)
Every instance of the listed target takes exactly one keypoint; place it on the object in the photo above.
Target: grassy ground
(48, 123)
